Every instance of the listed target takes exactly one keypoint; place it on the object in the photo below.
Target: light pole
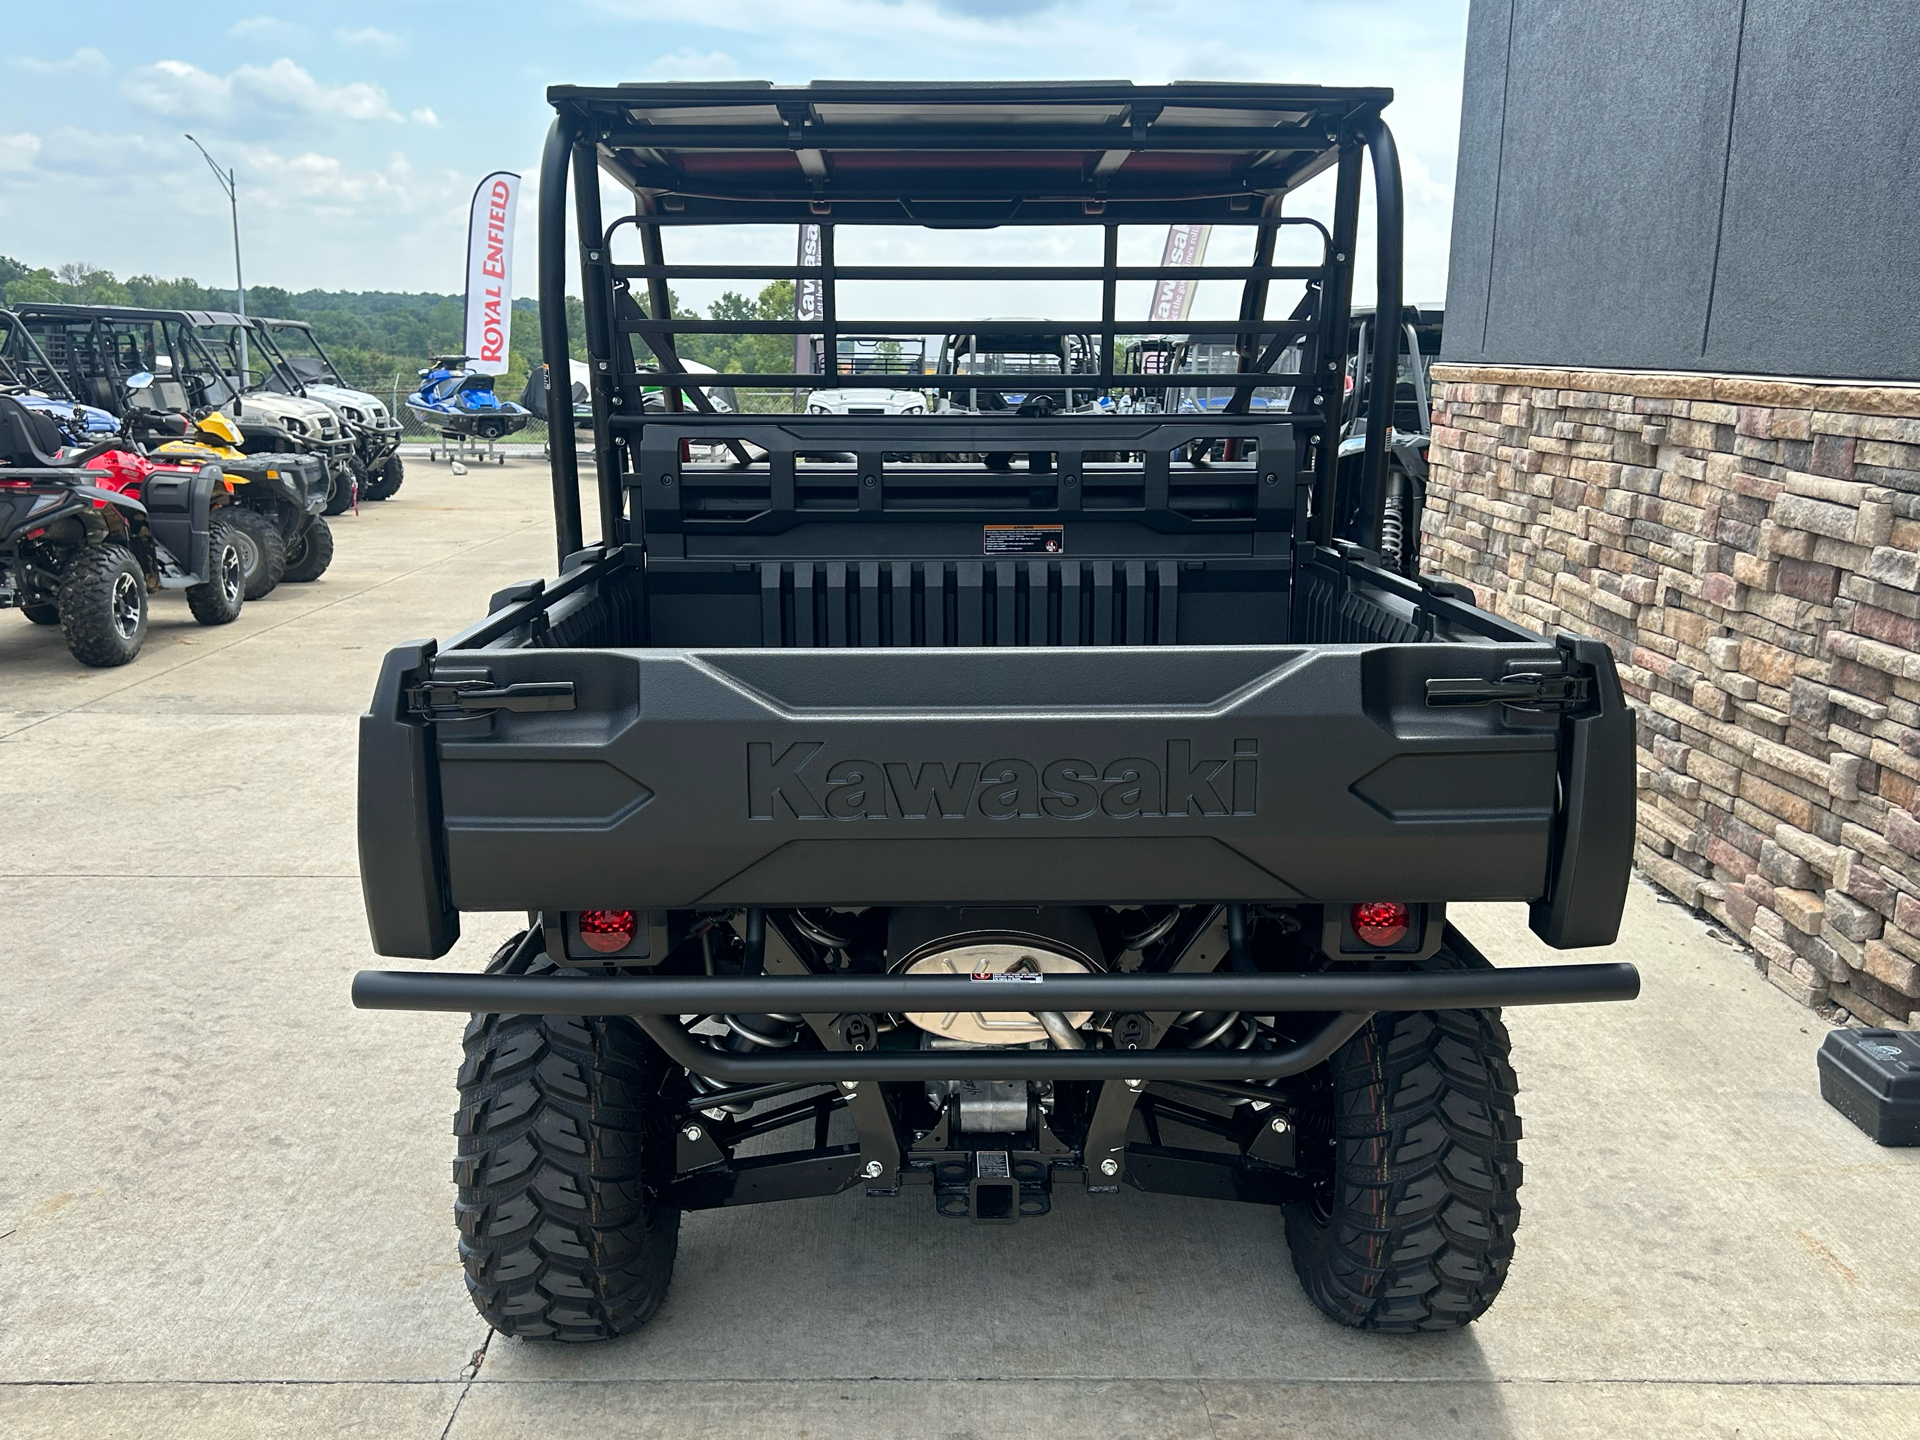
(225, 177)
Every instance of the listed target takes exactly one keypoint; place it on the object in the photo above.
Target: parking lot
(225, 1203)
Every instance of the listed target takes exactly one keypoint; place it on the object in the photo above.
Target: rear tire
(387, 481)
(218, 600)
(1414, 1228)
(310, 553)
(41, 613)
(559, 1127)
(103, 606)
(263, 550)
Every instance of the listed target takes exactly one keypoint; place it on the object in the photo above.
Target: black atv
(274, 500)
(83, 556)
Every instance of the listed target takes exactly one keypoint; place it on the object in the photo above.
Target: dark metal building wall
(1709, 185)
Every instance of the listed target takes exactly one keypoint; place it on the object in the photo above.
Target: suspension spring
(1393, 531)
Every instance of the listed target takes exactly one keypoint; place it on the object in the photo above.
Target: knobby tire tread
(392, 474)
(1425, 1191)
(310, 554)
(86, 607)
(208, 602)
(559, 1236)
(272, 546)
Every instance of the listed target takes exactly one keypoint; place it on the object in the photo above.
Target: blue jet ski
(462, 405)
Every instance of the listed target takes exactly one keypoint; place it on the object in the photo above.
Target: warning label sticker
(1023, 540)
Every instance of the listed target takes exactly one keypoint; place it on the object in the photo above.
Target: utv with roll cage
(931, 828)
(301, 366)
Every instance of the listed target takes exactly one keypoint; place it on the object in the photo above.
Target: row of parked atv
(145, 450)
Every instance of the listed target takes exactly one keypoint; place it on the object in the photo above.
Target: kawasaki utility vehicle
(951, 833)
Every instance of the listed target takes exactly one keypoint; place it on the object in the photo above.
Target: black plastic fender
(1593, 848)
(403, 870)
(179, 510)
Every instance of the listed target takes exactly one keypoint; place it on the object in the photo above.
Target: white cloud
(175, 89)
(309, 177)
(17, 152)
(691, 65)
(282, 90)
(84, 61)
(370, 36)
(424, 116)
(71, 151)
(269, 29)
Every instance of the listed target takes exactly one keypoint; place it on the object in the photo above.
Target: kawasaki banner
(809, 302)
(490, 272)
(1186, 245)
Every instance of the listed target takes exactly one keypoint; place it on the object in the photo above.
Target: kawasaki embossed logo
(798, 783)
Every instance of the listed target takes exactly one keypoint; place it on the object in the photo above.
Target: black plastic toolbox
(1873, 1078)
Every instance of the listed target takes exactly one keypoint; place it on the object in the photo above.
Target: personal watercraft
(460, 404)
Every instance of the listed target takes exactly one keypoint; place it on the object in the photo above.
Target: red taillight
(1381, 922)
(608, 931)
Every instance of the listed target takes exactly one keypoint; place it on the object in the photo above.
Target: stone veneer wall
(1747, 548)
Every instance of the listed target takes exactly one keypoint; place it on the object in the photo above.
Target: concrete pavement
(225, 1202)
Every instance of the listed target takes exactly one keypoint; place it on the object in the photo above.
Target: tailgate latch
(477, 698)
(1544, 689)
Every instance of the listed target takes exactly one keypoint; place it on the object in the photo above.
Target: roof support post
(1336, 317)
(596, 294)
(553, 334)
(1388, 229)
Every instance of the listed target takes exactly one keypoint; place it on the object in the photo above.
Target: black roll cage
(184, 323)
(910, 154)
(267, 324)
(21, 349)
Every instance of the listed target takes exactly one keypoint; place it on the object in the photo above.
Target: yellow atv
(273, 501)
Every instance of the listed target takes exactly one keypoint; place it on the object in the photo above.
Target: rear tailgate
(861, 777)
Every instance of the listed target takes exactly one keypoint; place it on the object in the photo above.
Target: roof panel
(754, 151)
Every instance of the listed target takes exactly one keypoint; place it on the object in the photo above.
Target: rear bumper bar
(1351, 997)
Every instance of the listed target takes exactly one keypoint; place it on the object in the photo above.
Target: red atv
(86, 534)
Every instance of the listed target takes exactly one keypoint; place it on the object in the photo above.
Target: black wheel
(387, 480)
(344, 482)
(103, 606)
(41, 612)
(561, 1133)
(1412, 1229)
(310, 553)
(263, 550)
(218, 600)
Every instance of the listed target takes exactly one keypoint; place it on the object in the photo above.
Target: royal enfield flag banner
(1186, 246)
(809, 300)
(490, 272)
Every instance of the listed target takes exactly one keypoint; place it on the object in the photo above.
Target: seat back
(27, 437)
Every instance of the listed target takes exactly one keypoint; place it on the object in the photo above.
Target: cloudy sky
(358, 131)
